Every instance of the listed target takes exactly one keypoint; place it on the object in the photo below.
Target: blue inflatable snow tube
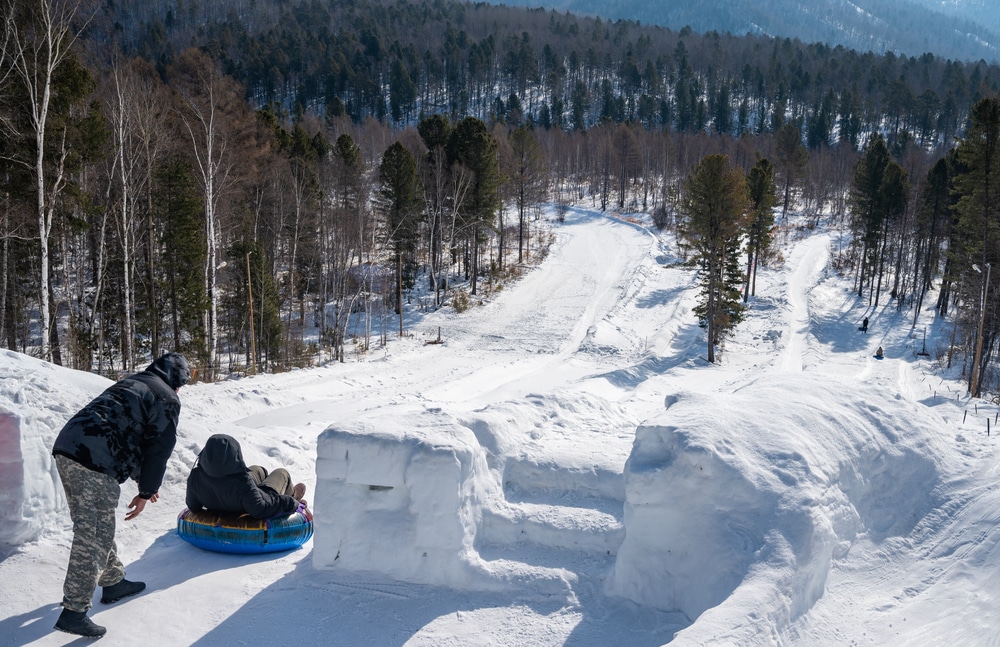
(242, 534)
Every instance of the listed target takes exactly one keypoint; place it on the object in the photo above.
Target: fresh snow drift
(565, 469)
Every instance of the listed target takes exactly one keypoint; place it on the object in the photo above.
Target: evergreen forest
(265, 184)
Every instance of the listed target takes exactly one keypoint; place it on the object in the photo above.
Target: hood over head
(222, 456)
(173, 369)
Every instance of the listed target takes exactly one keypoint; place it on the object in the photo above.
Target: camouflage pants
(93, 559)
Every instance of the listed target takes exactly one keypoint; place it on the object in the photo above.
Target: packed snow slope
(797, 492)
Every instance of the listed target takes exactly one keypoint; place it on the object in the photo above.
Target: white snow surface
(565, 469)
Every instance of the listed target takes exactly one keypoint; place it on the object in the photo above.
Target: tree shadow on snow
(841, 334)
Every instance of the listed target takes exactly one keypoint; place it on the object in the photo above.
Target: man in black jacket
(126, 432)
(222, 482)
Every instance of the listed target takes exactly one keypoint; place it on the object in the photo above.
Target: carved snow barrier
(400, 492)
(11, 474)
(733, 502)
(14, 527)
(36, 400)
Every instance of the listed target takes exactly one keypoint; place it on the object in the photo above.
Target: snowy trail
(532, 346)
(894, 588)
(597, 276)
(549, 349)
(591, 267)
(809, 259)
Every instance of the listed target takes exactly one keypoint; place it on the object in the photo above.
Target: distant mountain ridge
(967, 30)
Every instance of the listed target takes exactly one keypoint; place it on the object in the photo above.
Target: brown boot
(299, 491)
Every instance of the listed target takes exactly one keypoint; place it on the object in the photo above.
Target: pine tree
(42, 36)
(715, 204)
(402, 91)
(879, 193)
(178, 204)
(932, 228)
(866, 211)
(527, 175)
(978, 211)
(471, 146)
(791, 157)
(400, 204)
(762, 194)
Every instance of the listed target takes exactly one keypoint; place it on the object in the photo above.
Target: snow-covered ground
(613, 487)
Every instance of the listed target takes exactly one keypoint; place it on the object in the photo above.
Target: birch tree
(434, 132)
(305, 196)
(6, 72)
(126, 176)
(41, 37)
(345, 230)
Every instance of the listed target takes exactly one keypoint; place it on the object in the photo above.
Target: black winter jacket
(220, 482)
(130, 429)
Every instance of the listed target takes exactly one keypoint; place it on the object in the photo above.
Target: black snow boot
(121, 590)
(77, 622)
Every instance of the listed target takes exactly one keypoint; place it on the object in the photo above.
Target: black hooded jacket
(130, 429)
(220, 482)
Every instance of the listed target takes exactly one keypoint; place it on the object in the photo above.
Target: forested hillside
(264, 184)
(959, 30)
(983, 12)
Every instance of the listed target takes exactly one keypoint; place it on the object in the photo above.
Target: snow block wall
(728, 496)
(27, 481)
(399, 492)
(36, 399)
(12, 524)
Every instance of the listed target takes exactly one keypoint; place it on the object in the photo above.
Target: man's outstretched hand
(137, 505)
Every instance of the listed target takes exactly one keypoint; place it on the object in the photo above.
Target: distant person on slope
(864, 325)
(222, 482)
(126, 432)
